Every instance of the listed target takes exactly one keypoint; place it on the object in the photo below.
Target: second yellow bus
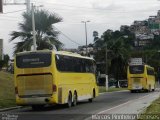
(141, 77)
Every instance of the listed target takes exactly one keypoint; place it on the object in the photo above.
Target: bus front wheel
(149, 90)
(69, 103)
(132, 91)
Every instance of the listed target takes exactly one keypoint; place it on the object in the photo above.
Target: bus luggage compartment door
(34, 85)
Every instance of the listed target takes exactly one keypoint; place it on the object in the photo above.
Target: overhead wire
(67, 36)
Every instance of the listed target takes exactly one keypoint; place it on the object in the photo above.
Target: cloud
(103, 14)
(106, 5)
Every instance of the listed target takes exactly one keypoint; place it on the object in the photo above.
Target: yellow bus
(53, 77)
(141, 77)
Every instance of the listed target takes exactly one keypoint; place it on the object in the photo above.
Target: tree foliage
(4, 63)
(119, 51)
(46, 34)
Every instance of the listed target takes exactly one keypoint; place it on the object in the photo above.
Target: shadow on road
(57, 107)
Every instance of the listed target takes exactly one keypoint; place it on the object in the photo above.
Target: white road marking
(122, 104)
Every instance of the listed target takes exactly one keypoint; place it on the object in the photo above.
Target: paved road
(83, 110)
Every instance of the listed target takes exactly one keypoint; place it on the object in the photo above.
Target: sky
(102, 14)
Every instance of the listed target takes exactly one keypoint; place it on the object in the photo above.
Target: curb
(113, 91)
(158, 89)
(10, 108)
(117, 91)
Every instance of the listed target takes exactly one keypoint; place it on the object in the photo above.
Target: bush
(1, 64)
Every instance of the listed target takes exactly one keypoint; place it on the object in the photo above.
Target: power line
(67, 36)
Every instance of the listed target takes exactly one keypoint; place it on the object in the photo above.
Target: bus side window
(94, 67)
(86, 66)
(61, 63)
(89, 66)
(83, 66)
(58, 62)
(150, 72)
(76, 65)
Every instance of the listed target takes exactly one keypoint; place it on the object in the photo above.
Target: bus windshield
(137, 69)
(33, 60)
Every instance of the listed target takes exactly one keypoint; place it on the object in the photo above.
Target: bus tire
(93, 96)
(132, 91)
(69, 102)
(75, 99)
(146, 90)
(153, 88)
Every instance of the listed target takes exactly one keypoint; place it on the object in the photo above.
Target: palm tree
(45, 33)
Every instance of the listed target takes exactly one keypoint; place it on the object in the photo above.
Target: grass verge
(103, 89)
(152, 111)
(7, 96)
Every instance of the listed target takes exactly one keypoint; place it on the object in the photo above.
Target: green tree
(95, 35)
(4, 62)
(120, 53)
(45, 33)
(119, 49)
(6, 59)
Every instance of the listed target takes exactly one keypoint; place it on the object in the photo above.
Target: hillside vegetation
(7, 94)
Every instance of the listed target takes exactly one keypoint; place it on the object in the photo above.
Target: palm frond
(21, 35)
(44, 31)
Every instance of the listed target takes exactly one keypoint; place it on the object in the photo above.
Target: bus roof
(56, 52)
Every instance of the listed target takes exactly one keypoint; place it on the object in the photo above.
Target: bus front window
(137, 69)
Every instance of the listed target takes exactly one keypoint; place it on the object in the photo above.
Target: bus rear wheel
(75, 99)
(93, 96)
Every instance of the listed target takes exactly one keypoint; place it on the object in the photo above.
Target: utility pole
(1, 6)
(33, 28)
(28, 3)
(1, 50)
(85, 22)
(106, 68)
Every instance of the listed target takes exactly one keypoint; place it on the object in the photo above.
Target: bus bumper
(35, 101)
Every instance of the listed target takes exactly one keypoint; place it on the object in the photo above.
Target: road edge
(10, 108)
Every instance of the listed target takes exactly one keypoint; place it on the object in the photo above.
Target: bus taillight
(54, 88)
(16, 90)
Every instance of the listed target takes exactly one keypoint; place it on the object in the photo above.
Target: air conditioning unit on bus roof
(136, 61)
